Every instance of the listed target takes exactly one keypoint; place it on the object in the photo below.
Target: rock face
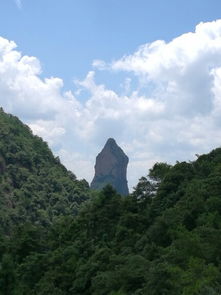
(2, 165)
(111, 168)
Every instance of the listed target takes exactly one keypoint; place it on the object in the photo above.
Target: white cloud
(181, 69)
(99, 64)
(173, 114)
(18, 3)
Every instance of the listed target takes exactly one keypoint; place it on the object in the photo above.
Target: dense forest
(35, 186)
(58, 237)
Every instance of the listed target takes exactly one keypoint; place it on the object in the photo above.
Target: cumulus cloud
(182, 69)
(173, 113)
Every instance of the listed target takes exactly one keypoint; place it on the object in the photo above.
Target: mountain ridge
(34, 185)
(59, 238)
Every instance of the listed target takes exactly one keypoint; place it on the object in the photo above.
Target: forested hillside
(34, 185)
(164, 238)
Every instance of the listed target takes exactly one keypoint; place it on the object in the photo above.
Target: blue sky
(84, 71)
(68, 35)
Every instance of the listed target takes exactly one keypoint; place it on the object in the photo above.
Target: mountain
(111, 168)
(34, 185)
(164, 238)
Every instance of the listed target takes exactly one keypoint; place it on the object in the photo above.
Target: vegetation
(165, 238)
(34, 186)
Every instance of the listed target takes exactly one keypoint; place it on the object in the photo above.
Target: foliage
(34, 186)
(164, 238)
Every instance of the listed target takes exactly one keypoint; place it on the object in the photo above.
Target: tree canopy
(164, 238)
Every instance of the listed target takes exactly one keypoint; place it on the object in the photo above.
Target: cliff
(111, 168)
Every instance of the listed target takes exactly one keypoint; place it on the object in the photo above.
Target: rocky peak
(2, 165)
(111, 168)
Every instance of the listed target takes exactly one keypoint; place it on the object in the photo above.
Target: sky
(147, 73)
